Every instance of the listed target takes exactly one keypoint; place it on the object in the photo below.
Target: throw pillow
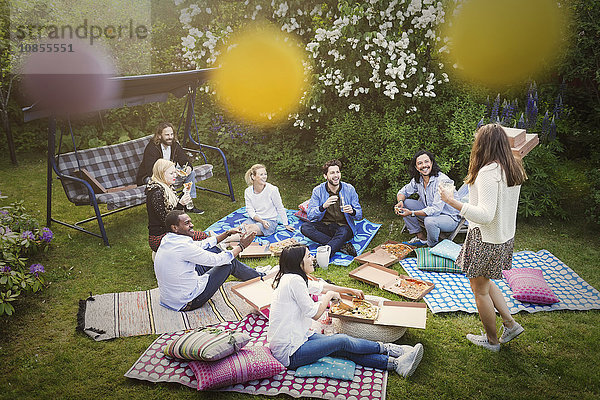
(206, 344)
(528, 285)
(304, 205)
(328, 367)
(429, 262)
(246, 365)
(447, 249)
(301, 215)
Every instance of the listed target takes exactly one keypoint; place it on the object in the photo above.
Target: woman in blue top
(429, 211)
(293, 310)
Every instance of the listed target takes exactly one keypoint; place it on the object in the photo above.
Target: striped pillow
(206, 344)
(430, 262)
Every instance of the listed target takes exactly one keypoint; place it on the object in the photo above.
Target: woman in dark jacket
(161, 198)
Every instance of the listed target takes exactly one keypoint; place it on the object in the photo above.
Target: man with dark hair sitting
(332, 210)
(188, 272)
(429, 215)
(164, 144)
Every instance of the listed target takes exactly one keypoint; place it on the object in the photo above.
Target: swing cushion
(113, 166)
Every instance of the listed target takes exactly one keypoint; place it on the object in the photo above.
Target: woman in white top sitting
(495, 177)
(263, 203)
(293, 310)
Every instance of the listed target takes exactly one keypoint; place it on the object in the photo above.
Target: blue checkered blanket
(365, 231)
(453, 293)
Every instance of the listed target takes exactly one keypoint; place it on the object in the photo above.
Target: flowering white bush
(361, 51)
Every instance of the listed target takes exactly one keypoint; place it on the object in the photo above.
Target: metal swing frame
(132, 96)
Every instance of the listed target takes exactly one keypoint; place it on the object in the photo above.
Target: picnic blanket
(365, 231)
(153, 366)
(107, 316)
(452, 292)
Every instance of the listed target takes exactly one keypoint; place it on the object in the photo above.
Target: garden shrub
(376, 148)
(593, 210)
(21, 238)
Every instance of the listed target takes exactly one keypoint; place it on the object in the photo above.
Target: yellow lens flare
(261, 78)
(501, 43)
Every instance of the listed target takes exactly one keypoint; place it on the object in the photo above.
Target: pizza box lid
(516, 136)
(524, 148)
(374, 274)
(402, 313)
(255, 249)
(377, 256)
(257, 292)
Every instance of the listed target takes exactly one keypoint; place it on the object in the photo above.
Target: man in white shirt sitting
(188, 272)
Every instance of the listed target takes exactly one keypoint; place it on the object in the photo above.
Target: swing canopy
(141, 89)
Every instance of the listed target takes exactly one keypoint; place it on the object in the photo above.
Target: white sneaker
(509, 334)
(415, 242)
(482, 340)
(396, 350)
(408, 363)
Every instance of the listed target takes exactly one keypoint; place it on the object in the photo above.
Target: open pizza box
(256, 292)
(391, 313)
(255, 249)
(377, 256)
(389, 280)
(402, 248)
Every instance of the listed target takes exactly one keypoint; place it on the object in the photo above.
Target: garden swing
(107, 174)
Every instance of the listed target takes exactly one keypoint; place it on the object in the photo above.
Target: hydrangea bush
(362, 52)
(21, 238)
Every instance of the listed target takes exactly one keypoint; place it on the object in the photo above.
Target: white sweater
(266, 204)
(492, 205)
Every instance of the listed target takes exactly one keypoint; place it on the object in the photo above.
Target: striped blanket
(112, 315)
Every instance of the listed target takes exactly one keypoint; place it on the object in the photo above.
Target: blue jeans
(361, 351)
(332, 234)
(217, 276)
(433, 224)
(190, 178)
(264, 231)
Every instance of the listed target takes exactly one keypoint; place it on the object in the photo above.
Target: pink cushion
(528, 285)
(248, 364)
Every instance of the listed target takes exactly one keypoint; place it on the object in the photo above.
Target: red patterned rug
(153, 366)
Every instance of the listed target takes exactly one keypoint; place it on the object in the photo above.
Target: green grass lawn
(42, 356)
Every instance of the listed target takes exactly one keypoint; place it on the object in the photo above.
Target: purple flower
(6, 269)
(47, 235)
(4, 212)
(36, 269)
(28, 235)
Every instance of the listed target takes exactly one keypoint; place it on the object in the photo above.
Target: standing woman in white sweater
(494, 178)
(263, 203)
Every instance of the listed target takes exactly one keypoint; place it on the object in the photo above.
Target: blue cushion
(447, 249)
(329, 367)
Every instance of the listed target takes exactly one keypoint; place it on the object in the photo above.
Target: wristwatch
(412, 213)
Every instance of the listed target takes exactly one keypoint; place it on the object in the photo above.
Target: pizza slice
(181, 172)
